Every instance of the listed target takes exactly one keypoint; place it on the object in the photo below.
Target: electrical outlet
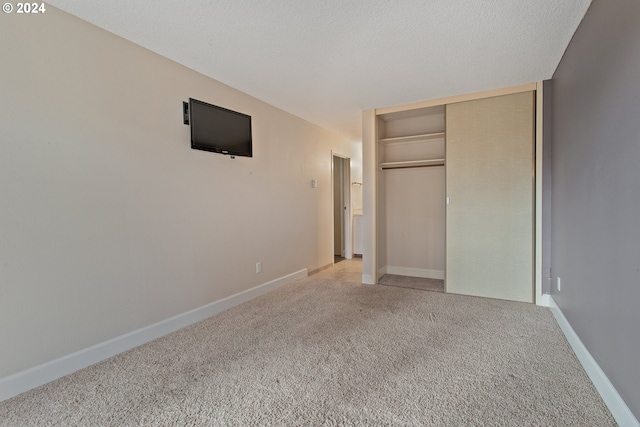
(559, 284)
(259, 267)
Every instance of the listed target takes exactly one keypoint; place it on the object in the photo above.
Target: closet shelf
(412, 164)
(412, 138)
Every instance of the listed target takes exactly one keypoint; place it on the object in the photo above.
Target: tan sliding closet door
(489, 175)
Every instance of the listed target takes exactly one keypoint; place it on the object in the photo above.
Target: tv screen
(219, 130)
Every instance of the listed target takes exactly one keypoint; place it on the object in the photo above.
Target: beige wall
(370, 205)
(415, 220)
(109, 221)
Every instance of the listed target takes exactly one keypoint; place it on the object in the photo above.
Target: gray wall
(596, 189)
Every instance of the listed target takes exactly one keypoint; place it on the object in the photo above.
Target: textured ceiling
(326, 60)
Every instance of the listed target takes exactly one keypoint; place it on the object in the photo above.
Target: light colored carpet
(323, 352)
(423, 284)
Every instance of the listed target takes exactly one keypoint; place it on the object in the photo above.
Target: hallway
(347, 270)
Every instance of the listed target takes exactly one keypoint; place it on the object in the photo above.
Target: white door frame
(346, 192)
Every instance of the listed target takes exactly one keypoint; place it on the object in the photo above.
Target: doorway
(341, 176)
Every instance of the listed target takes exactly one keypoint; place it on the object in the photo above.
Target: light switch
(314, 183)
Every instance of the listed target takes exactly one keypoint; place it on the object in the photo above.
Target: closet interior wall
(411, 193)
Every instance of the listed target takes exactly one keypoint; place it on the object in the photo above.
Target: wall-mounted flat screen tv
(219, 130)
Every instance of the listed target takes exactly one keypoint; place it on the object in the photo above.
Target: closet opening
(411, 198)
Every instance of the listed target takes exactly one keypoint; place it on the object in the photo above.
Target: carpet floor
(325, 352)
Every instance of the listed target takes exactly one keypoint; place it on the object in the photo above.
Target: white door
(341, 176)
(338, 208)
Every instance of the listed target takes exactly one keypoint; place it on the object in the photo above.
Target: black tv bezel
(218, 150)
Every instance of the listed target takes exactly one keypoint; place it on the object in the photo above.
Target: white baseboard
(620, 411)
(544, 300)
(415, 272)
(22, 381)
